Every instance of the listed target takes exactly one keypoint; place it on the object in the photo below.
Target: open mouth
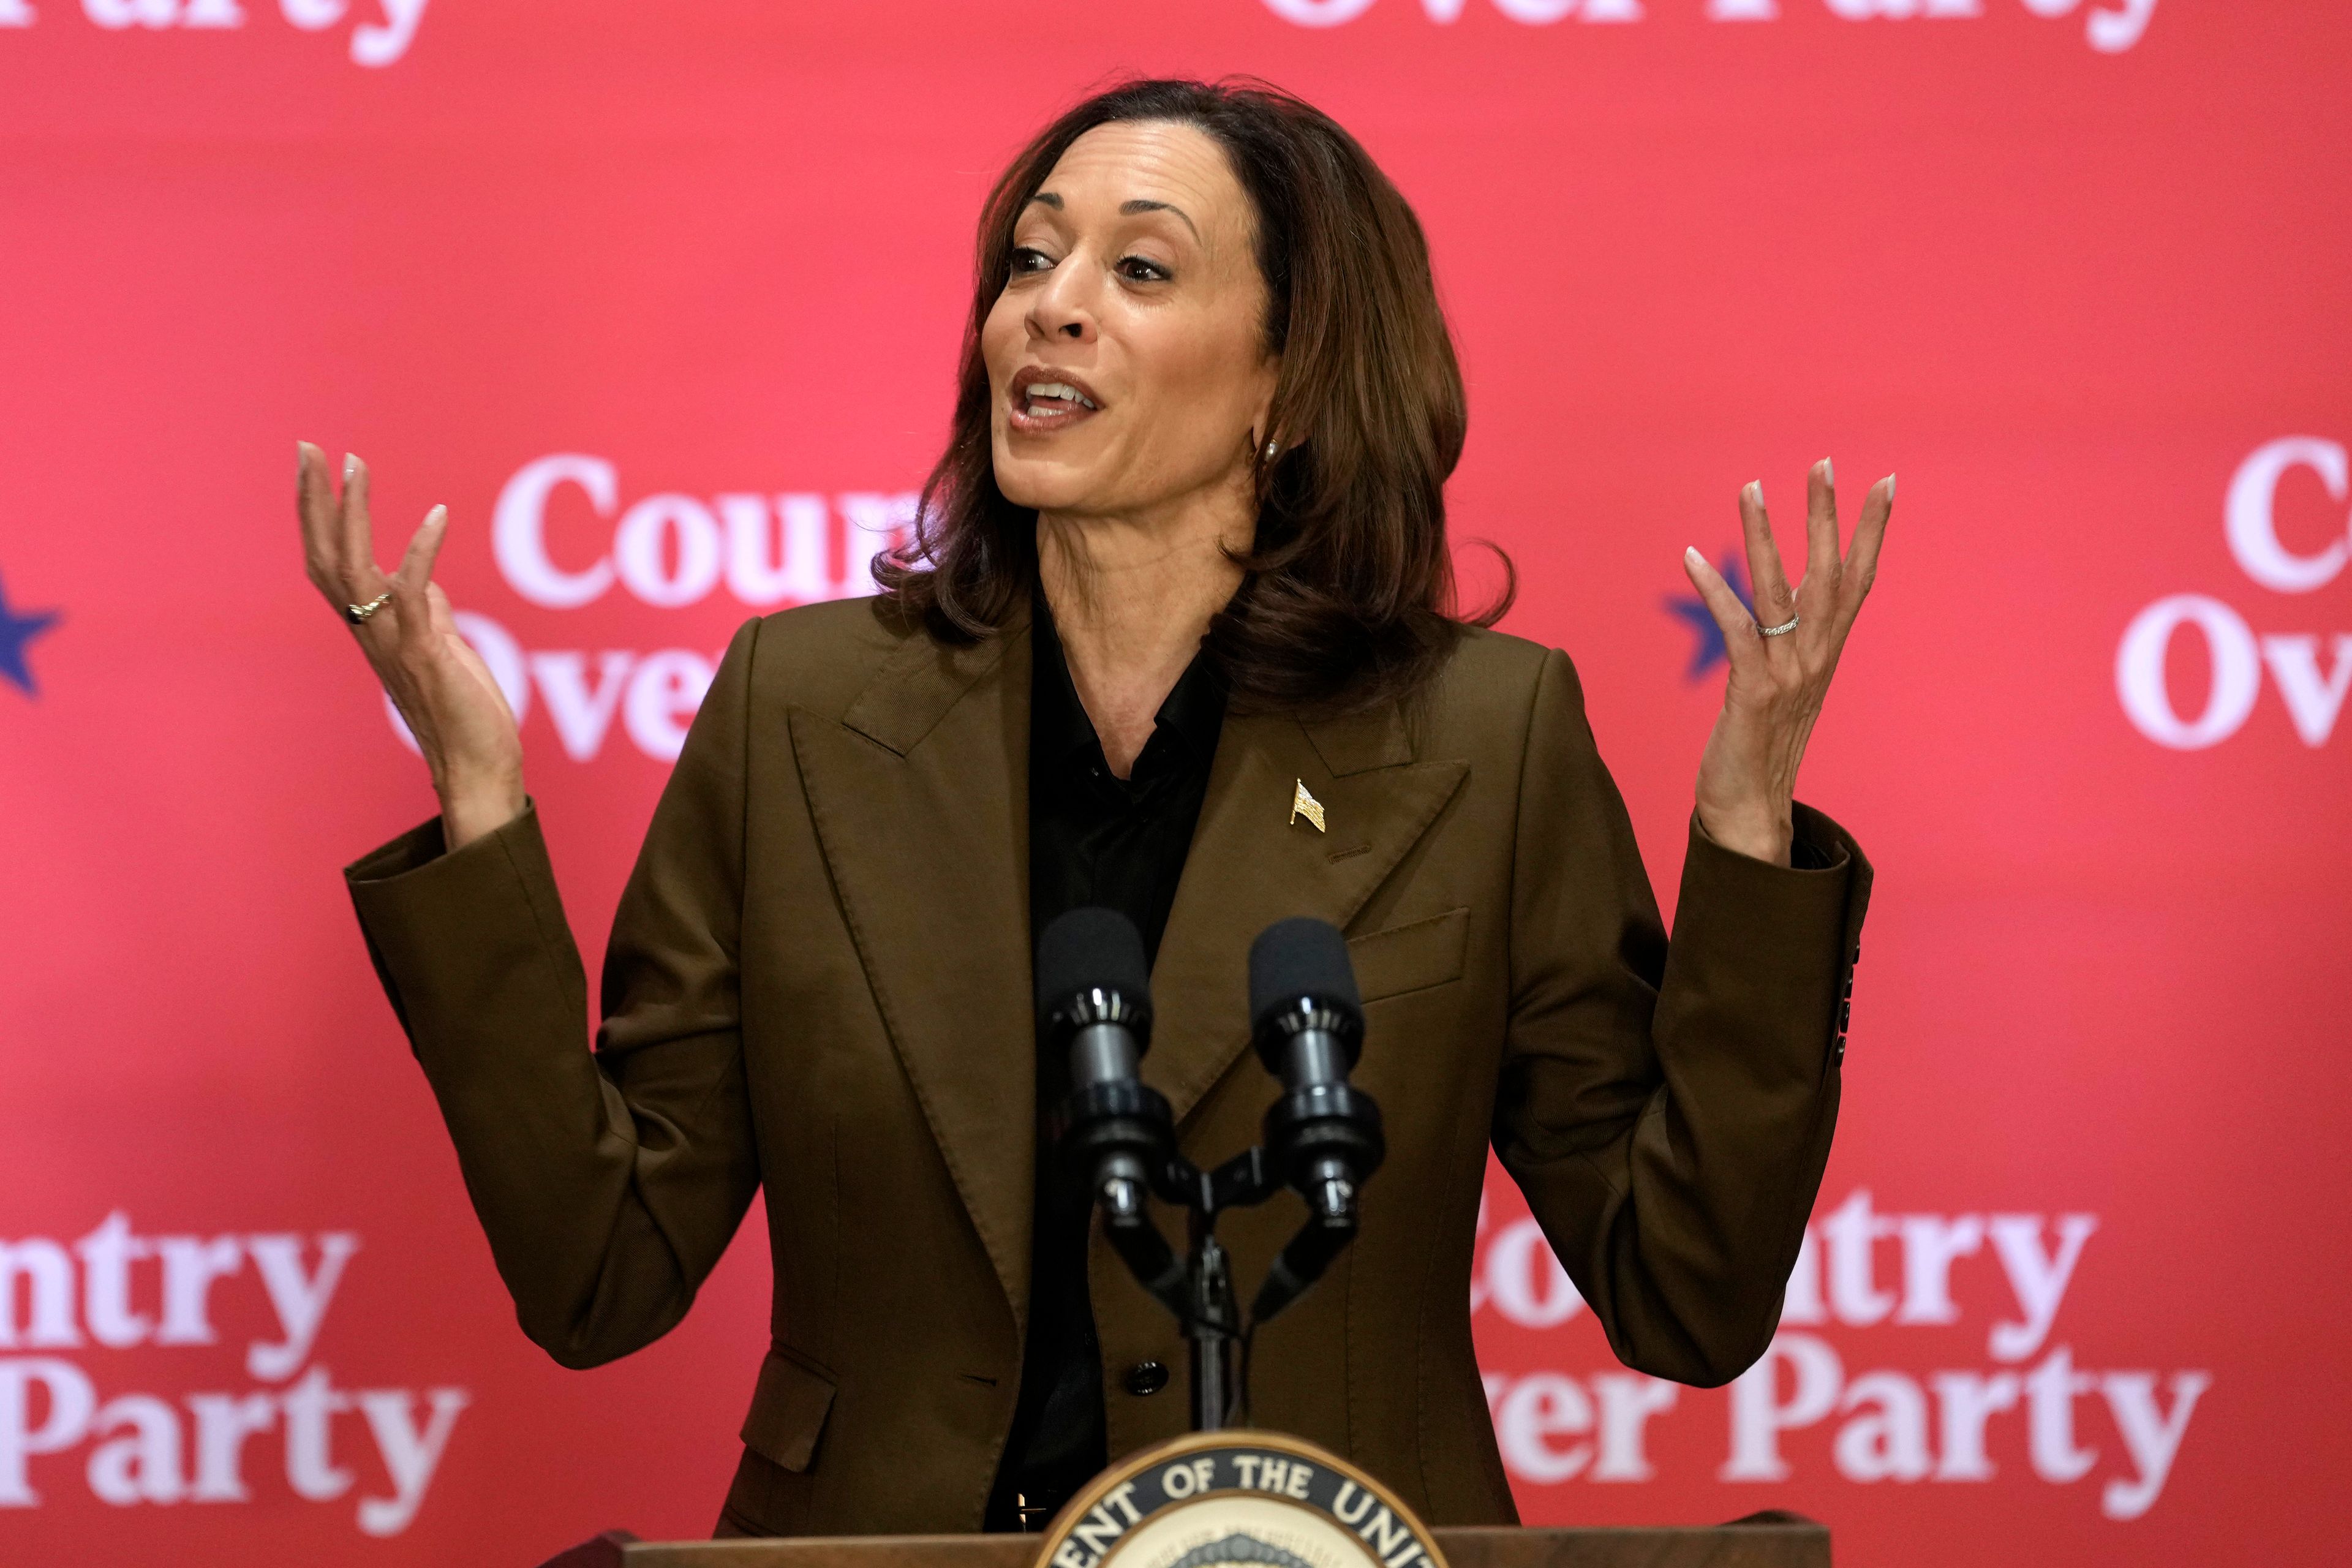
(1043, 400)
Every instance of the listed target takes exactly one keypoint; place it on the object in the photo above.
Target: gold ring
(355, 613)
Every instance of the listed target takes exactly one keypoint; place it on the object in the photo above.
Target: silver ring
(1783, 629)
(355, 613)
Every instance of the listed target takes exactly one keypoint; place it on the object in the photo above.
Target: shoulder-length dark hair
(1349, 596)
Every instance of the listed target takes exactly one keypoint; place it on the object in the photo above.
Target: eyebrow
(1127, 209)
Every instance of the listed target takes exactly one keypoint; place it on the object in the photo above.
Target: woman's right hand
(440, 685)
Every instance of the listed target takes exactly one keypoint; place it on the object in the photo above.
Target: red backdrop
(663, 300)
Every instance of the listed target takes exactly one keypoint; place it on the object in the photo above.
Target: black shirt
(1120, 844)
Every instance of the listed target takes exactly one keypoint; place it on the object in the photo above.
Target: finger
(1738, 627)
(358, 538)
(1821, 560)
(1861, 557)
(1774, 598)
(314, 502)
(409, 586)
(424, 550)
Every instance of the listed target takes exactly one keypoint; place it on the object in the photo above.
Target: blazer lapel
(921, 798)
(1251, 865)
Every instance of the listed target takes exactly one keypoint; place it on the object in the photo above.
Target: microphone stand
(1322, 1138)
(1200, 1290)
(1213, 1324)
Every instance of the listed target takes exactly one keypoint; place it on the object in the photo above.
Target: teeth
(1057, 391)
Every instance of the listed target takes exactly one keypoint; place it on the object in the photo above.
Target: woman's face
(1127, 353)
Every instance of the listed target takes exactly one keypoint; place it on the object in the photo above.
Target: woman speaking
(1175, 636)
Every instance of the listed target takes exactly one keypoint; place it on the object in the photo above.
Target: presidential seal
(1223, 1500)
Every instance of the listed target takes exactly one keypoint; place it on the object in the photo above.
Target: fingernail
(1692, 555)
(439, 514)
(1828, 473)
(1756, 492)
(351, 466)
(1890, 487)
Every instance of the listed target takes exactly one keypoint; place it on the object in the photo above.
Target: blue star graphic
(1690, 607)
(16, 629)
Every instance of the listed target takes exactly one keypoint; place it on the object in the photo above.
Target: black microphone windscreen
(1299, 957)
(1090, 947)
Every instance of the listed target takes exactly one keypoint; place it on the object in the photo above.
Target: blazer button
(1146, 1378)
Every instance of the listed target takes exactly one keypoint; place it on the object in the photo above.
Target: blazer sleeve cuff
(1767, 949)
(412, 849)
(448, 930)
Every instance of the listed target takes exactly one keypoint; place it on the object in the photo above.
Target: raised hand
(440, 685)
(1747, 775)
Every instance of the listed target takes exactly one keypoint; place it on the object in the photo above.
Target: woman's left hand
(1747, 775)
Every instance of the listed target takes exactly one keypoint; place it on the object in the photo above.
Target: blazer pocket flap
(1410, 957)
(788, 1411)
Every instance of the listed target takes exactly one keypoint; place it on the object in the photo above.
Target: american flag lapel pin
(1305, 804)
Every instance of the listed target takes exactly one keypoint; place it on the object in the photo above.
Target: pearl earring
(1270, 449)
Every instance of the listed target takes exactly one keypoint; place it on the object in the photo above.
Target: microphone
(1112, 1129)
(1094, 994)
(1324, 1133)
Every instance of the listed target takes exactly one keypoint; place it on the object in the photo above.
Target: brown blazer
(819, 980)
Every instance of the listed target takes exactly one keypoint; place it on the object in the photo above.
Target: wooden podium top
(1768, 1542)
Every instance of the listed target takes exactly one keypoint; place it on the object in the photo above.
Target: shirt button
(1146, 1378)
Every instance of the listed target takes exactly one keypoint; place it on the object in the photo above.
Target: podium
(1763, 1540)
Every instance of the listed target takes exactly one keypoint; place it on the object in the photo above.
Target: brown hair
(1349, 596)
